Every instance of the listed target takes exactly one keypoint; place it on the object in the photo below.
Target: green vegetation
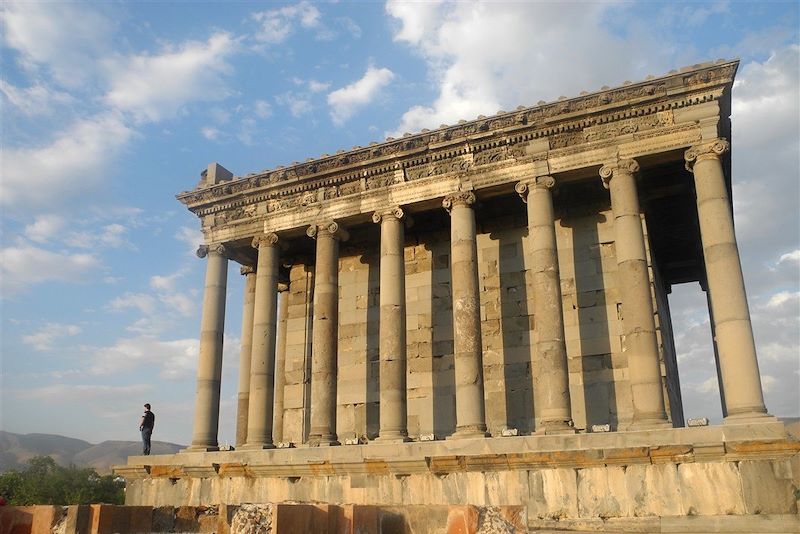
(45, 482)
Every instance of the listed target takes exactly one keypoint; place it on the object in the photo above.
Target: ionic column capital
(329, 228)
(244, 270)
(710, 150)
(395, 212)
(215, 249)
(627, 166)
(269, 240)
(539, 182)
(459, 198)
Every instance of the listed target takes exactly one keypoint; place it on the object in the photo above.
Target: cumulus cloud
(43, 338)
(37, 99)
(483, 59)
(276, 25)
(140, 301)
(24, 266)
(298, 103)
(154, 87)
(69, 165)
(174, 359)
(62, 38)
(192, 237)
(45, 228)
(345, 102)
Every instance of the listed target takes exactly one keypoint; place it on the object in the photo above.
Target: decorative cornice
(331, 228)
(459, 198)
(476, 143)
(395, 212)
(268, 240)
(217, 249)
(609, 170)
(711, 150)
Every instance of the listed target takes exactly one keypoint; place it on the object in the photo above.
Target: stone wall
(591, 303)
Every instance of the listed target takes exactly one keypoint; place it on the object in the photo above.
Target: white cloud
(212, 134)
(168, 359)
(110, 235)
(317, 87)
(62, 37)
(43, 338)
(85, 392)
(790, 257)
(45, 228)
(25, 266)
(141, 301)
(350, 27)
(262, 109)
(167, 282)
(154, 87)
(484, 59)
(181, 303)
(34, 100)
(346, 101)
(276, 25)
(68, 166)
(298, 103)
(192, 237)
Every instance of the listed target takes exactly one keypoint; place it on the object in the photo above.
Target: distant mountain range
(17, 449)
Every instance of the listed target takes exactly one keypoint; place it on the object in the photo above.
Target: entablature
(630, 121)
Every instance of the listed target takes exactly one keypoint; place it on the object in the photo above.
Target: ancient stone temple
(478, 314)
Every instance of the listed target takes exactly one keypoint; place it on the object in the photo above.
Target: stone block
(710, 488)
(767, 487)
(653, 490)
(553, 493)
(602, 492)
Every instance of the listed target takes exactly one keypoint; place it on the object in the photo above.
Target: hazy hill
(16, 449)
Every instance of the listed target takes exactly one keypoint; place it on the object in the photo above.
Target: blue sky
(110, 109)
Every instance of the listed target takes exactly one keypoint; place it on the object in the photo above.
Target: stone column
(468, 355)
(393, 410)
(244, 358)
(325, 335)
(638, 323)
(549, 365)
(741, 380)
(209, 365)
(280, 362)
(262, 360)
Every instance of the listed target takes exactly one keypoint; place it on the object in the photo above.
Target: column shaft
(549, 366)
(393, 410)
(243, 397)
(741, 380)
(209, 365)
(638, 322)
(280, 363)
(468, 352)
(324, 343)
(262, 360)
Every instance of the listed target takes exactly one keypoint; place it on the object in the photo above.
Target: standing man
(146, 427)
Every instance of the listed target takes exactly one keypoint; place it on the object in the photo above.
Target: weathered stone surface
(710, 488)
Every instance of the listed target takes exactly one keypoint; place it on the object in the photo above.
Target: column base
(748, 418)
(648, 424)
(201, 448)
(469, 432)
(323, 441)
(256, 446)
(555, 427)
(392, 436)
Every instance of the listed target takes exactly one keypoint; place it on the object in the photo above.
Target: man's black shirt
(149, 420)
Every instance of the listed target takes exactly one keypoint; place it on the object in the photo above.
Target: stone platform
(617, 480)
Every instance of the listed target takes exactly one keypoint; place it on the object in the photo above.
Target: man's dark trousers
(146, 433)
